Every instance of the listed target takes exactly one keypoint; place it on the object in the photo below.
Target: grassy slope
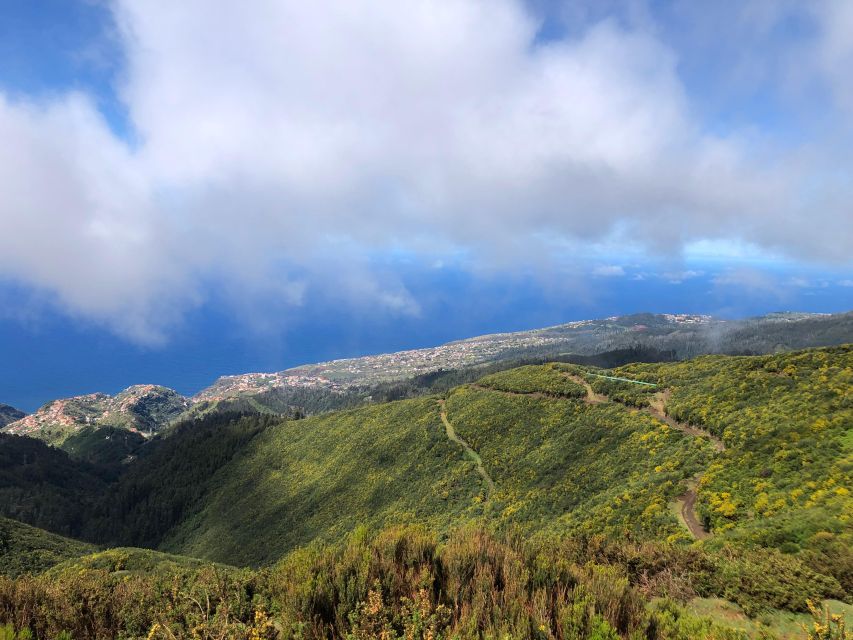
(323, 476)
(559, 464)
(26, 549)
(127, 560)
(567, 465)
(785, 479)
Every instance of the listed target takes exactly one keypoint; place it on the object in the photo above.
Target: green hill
(124, 560)
(722, 477)
(26, 549)
(44, 487)
(9, 414)
(560, 463)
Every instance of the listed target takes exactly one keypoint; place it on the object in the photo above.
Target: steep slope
(26, 549)
(106, 447)
(562, 462)
(786, 476)
(558, 463)
(168, 480)
(44, 487)
(9, 414)
(567, 474)
(322, 477)
(543, 450)
(142, 408)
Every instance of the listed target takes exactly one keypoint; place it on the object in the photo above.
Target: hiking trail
(473, 455)
(685, 504)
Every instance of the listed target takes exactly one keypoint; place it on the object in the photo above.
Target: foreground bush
(405, 583)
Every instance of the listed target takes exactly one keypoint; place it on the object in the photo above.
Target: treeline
(167, 482)
(439, 382)
(405, 583)
(44, 487)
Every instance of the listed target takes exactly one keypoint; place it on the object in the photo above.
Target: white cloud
(609, 271)
(281, 144)
(677, 277)
(835, 47)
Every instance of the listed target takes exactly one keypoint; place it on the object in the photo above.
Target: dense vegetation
(9, 414)
(785, 478)
(106, 447)
(585, 489)
(26, 549)
(398, 583)
(165, 484)
(568, 465)
(323, 476)
(44, 487)
(545, 380)
(628, 393)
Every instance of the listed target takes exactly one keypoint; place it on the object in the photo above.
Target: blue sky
(192, 190)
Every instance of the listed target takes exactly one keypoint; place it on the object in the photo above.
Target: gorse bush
(545, 380)
(787, 420)
(397, 583)
(585, 525)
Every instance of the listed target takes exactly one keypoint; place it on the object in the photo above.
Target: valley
(686, 467)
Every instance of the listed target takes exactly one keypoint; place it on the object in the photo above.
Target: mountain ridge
(9, 414)
(348, 382)
(585, 337)
(142, 408)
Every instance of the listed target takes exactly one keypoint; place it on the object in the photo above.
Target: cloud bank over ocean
(280, 150)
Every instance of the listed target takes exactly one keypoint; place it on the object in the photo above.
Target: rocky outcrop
(141, 408)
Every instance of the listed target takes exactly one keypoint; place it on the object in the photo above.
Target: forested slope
(26, 549)
(583, 465)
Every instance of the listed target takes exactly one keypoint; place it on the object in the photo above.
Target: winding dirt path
(685, 504)
(473, 455)
(591, 396)
(657, 408)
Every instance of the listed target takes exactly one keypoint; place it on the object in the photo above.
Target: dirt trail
(452, 435)
(591, 396)
(657, 407)
(685, 504)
